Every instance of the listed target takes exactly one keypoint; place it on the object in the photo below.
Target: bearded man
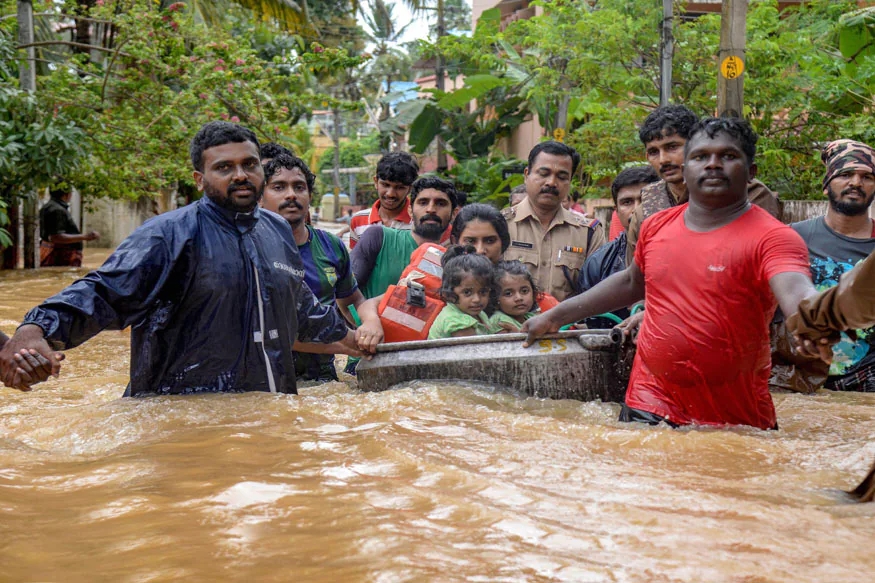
(837, 242)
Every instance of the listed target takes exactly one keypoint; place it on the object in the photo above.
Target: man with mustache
(553, 242)
(664, 133)
(288, 187)
(838, 241)
(213, 292)
(712, 270)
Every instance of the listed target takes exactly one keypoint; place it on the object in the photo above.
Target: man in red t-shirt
(712, 270)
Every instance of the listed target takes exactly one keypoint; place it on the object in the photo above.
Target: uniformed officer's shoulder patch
(583, 221)
(509, 212)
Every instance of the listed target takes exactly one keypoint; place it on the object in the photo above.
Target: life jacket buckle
(415, 294)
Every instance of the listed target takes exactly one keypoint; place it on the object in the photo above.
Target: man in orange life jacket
(382, 253)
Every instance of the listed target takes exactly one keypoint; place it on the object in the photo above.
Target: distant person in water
(712, 269)
(213, 292)
(60, 238)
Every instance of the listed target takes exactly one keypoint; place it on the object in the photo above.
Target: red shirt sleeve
(783, 250)
(643, 237)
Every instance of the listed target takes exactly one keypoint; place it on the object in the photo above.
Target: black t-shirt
(55, 219)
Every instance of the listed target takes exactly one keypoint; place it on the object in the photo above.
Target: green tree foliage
(602, 60)
(38, 143)
(136, 110)
(165, 77)
(471, 119)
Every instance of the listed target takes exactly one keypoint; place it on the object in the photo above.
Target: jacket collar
(242, 222)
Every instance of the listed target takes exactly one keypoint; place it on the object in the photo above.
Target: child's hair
(459, 261)
(516, 267)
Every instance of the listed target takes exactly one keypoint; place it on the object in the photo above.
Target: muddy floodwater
(432, 482)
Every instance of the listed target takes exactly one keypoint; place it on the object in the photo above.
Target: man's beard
(849, 208)
(226, 201)
(429, 230)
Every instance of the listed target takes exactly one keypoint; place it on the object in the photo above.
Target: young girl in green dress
(517, 296)
(467, 288)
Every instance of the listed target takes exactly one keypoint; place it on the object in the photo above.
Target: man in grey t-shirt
(837, 242)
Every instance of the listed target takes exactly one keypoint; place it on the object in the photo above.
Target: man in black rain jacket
(213, 292)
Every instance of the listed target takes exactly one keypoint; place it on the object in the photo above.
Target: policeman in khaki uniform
(551, 241)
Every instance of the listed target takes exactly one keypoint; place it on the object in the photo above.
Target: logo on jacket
(289, 269)
(717, 268)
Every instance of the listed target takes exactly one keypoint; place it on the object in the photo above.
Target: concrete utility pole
(730, 79)
(666, 51)
(27, 235)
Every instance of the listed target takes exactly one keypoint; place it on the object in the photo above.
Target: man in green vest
(382, 253)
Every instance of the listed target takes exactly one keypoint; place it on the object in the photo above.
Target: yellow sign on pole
(732, 67)
(559, 134)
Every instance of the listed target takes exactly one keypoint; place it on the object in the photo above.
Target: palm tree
(390, 63)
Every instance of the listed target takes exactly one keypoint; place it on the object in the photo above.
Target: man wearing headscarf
(837, 242)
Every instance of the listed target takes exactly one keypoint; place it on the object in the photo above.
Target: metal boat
(585, 365)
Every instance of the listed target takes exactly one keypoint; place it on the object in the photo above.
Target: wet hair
(631, 177)
(289, 162)
(460, 261)
(735, 128)
(272, 150)
(668, 120)
(398, 167)
(217, 133)
(515, 267)
(436, 183)
(557, 149)
(484, 213)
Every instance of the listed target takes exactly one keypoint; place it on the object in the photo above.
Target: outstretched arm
(619, 290)
(850, 304)
(115, 296)
(791, 288)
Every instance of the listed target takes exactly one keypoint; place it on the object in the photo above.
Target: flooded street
(426, 483)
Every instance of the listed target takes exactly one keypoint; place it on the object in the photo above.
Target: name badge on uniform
(522, 245)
